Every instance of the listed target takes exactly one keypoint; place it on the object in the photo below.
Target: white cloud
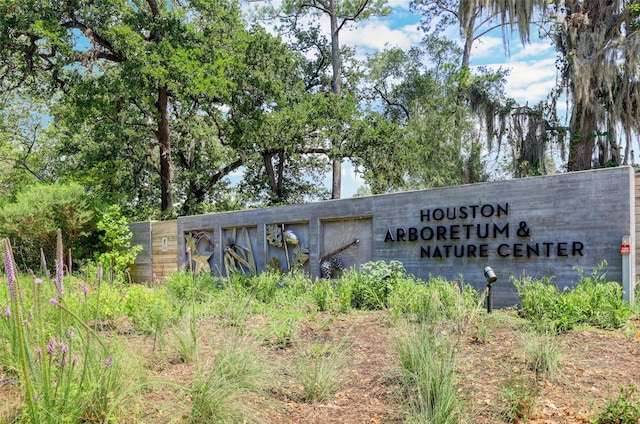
(487, 47)
(376, 35)
(401, 4)
(351, 181)
(537, 49)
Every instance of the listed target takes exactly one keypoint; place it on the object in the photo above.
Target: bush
(594, 301)
(33, 220)
(369, 288)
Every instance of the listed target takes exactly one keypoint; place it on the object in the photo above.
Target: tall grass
(319, 370)
(218, 393)
(428, 368)
(542, 353)
(66, 370)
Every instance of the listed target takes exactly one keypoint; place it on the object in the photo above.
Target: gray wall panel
(593, 209)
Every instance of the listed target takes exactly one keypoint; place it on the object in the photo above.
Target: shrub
(594, 301)
(369, 287)
(33, 219)
(115, 237)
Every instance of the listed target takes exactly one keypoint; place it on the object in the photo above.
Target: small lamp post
(491, 277)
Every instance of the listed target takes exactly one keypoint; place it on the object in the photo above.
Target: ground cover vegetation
(373, 345)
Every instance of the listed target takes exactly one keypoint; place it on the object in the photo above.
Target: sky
(532, 69)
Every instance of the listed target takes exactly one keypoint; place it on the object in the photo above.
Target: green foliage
(369, 288)
(149, 309)
(39, 211)
(428, 364)
(281, 329)
(519, 399)
(115, 236)
(594, 301)
(184, 286)
(624, 409)
(437, 301)
(216, 395)
(319, 370)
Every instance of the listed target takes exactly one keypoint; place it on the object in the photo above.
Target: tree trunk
(583, 129)
(336, 86)
(164, 141)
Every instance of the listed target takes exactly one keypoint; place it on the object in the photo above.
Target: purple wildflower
(99, 271)
(58, 281)
(70, 332)
(51, 346)
(39, 352)
(109, 362)
(9, 269)
(74, 359)
(54, 302)
(65, 350)
(7, 311)
(37, 281)
(59, 265)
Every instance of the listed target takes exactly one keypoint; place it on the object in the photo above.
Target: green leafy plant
(369, 287)
(115, 236)
(593, 301)
(38, 212)
(624, 409)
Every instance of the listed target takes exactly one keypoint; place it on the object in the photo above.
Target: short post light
(491, 277)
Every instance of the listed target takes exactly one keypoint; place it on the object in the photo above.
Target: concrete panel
(541, 226)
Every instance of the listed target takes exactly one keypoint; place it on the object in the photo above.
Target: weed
(623, 409)
(519, 399)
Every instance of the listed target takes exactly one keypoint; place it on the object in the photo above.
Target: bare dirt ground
(594, 365)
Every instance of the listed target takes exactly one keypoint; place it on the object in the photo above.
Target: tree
(526, 130)
(22, 123)
(340, 13)
(417, 133)
(597, 46)
(155, 54)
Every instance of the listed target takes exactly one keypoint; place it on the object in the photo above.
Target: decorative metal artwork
(282, 238)
(239, 256)
(198, 261)
(331, 264)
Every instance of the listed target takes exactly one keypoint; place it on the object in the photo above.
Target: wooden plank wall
(164, 236)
